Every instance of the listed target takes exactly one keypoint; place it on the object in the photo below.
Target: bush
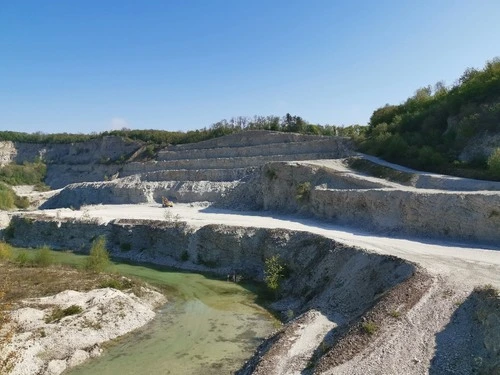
(98, 258)
(5, 251)
(10, 200)
(273, 272)
(7, 197)
(23, 174)
(303, 191)
(43, 258)
(494, 163)
(369, 327)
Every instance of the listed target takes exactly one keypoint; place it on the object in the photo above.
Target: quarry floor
(467, 264)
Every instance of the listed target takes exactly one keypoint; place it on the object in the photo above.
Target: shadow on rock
(470, 343)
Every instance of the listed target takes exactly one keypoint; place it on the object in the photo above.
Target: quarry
(394, 272)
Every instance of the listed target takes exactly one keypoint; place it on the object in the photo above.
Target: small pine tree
(98, 258)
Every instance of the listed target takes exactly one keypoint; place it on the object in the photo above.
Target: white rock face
(43, 347)
(7, 152)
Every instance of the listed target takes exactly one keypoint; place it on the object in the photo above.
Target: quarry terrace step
(324, 144)
(252, 138)
(219, 163)
(215, 175)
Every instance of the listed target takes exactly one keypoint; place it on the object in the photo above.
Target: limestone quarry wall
(250, 138)
(219, 163)
(133, 191)
(99, 150)
(340, 147)
(60, 175)
(320, 272)
(469, 216)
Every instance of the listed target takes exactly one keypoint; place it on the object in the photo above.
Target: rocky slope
(356, 312)
(40, 345)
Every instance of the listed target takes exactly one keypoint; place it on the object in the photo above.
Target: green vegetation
(22, 259)
(303, 191)
(43, 257)
(58, 313)
(430, 129)
(5, 251)
(369, 327)
(287, 123)
(10, 200)
(98, 258)
(274, 271)
(24, 174)
(494, 163)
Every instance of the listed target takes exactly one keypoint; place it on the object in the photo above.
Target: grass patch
(43, 257)
(58, 313)
(369, 328)
(5, 251)
(395, 314)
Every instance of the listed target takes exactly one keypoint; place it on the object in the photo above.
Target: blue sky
(85, 66)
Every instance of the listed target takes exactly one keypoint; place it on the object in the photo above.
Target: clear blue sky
(84, 66)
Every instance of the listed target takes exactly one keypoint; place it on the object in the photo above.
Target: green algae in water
(209, 327)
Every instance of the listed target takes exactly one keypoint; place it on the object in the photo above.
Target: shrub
(23, 174)
(98, 258)
(369, 327)
(273, 272)
(303, 191)
(494, 163)
(271, 173)
(43, 257)
(5, 251)
(7, 197)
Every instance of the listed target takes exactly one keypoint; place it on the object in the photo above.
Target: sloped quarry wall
(88, 152)
(92, 160)
(341, 281)
(313, 191)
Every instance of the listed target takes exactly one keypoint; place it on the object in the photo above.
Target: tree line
(430, 129)
(287, 123)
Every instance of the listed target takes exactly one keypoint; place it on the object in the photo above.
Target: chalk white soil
(42, 347)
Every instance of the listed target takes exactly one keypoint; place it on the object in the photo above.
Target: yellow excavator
(166, 203)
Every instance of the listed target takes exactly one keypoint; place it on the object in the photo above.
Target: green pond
(209, 326)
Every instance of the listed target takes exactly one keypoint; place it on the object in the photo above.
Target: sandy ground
(465, 263)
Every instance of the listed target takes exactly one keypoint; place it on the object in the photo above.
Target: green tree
(494, 163)
(273, 272)
(98, 258)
